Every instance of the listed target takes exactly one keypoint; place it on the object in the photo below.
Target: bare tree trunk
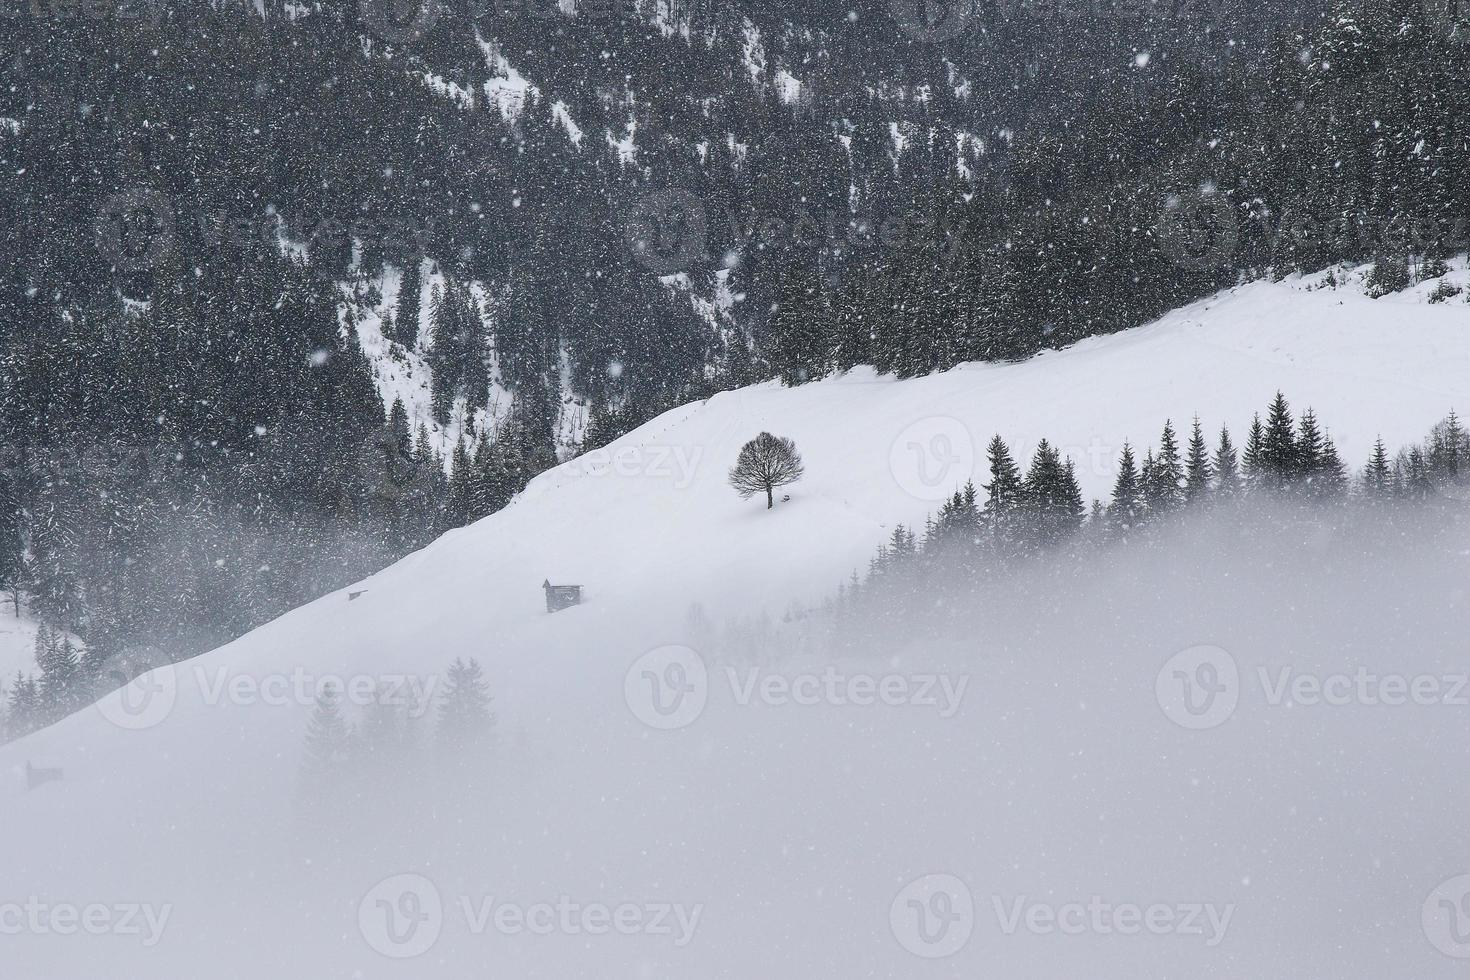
(770, 498)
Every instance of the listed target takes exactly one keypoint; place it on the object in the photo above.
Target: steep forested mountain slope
(622, 207)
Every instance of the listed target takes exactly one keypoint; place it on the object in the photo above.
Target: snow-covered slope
(18, 643)
(794, 841)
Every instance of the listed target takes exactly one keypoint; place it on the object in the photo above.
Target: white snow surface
(793, 828)
(17, 643)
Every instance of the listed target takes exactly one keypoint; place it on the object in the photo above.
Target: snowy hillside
(781, 839)
(17, 645)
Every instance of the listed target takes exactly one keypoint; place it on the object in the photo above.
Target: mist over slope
(1030, 762)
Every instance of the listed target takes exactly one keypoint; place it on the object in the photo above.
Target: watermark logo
(134, 228)
(1448, 20)
(1201, 688)
(668, 231)
(225, 227)
(933, 21)
(1198, 229)
(402, 916)
(667, 688)
(1445, 917)
(145, 696)
(401, 22)
(932, 457)
(146, 13)
(1198, 688)
(933, 916)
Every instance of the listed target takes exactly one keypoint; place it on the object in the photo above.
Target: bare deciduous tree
(766, 462)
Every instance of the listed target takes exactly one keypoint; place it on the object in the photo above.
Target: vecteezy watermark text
(935, 915)
(403, 916)
(1201, 687)
(668, 688)
(147, 698)
(675, 464)
(40, 918)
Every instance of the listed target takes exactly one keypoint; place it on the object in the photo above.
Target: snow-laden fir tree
(1126, 510)
(1198, 470)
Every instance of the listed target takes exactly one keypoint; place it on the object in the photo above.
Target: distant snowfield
(794, 829)
(17, 646)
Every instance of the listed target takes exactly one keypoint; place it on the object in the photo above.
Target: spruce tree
(1256, 466)
(24, 706)
(1052, 502)
(1226, 466)
(1126, 510)
(1331, 479)
(1448, 448)
(462, 479)
(327, 742)
(1003, 496)
(402, 438)
(1197, 469)
(1162, 486)
(465, 718)
(410, 290)
(1147, 484)
(1279, 452)
(59, 664)
(1378, 478)
(1415, 482)
(1307, 463)
(475, 355)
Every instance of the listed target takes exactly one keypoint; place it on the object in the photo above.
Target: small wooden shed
(559, 597)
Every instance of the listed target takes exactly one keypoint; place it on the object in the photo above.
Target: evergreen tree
(25, 711)
(1278, 455)
(12, 550)
(1164, 475)
(60, 680)
(1127, 507)
(1378, 477)
(1413, 477)
(1331, 479)
(1308, 461)
(958, 524)
(1226, 466)
(462, 479)
(1004, 497)
(1448, 448)
(465, 718)
(1256, 466)
(1051, 500)
(327, 743)
(1198, 470)
(410, 291)
(800, 349)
